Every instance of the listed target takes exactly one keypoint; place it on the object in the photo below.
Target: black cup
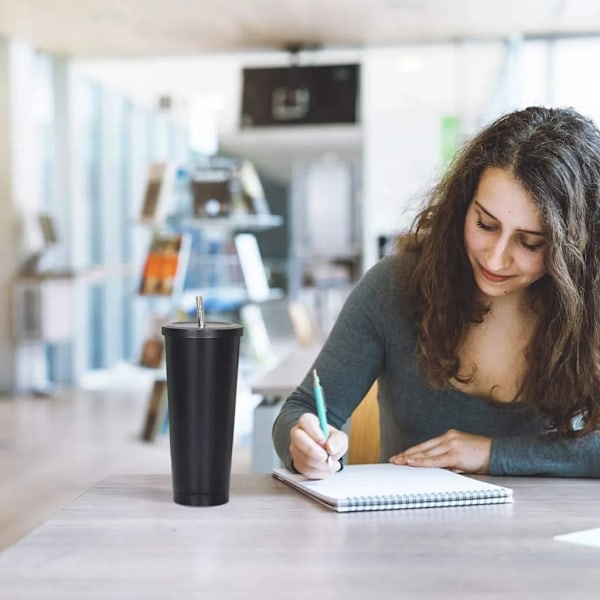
(202, 367)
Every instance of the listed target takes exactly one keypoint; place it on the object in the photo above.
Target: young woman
(483, 330)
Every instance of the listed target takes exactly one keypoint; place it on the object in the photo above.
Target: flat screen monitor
(312, 95)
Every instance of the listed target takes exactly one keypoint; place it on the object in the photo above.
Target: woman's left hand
(454, 450)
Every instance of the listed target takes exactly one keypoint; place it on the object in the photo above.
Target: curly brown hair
(554, 153)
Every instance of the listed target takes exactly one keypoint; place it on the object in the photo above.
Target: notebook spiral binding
(467, 498)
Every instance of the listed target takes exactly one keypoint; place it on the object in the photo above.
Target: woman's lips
(493, 278)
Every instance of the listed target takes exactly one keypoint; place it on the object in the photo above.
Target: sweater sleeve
(546, 455)
(350, 360)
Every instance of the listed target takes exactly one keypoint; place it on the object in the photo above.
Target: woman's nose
(499, 255)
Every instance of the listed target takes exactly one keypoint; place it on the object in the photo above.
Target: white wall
(574, 79)
(406, 93)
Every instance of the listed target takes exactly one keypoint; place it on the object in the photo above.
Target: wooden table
(126, 539)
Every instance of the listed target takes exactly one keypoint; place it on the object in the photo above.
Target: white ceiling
(95, 28)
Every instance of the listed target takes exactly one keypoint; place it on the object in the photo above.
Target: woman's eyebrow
(489, 214)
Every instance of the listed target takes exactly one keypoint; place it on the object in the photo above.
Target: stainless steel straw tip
(200, 311)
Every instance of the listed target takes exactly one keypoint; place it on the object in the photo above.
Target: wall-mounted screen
(313, 95)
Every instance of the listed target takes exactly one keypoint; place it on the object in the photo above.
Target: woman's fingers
(336, 444)
(433, 447)
(306, 446)
(454, 450)
(312, 454)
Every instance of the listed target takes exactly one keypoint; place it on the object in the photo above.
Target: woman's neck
(492, 353)
(510, 304)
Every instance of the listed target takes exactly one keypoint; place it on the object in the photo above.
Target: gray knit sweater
(374, 338)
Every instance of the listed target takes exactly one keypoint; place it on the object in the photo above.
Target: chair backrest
(364, 438)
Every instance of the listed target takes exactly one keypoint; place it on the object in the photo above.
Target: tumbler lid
(211, 329)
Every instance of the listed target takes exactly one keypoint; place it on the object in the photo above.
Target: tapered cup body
(202, 369)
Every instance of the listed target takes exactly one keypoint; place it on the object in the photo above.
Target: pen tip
(315, 377)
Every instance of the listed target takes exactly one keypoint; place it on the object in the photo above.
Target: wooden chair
(364, 438)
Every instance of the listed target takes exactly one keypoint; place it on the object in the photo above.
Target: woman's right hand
(312, 455)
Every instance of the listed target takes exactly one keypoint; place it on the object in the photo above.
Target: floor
(54, 448)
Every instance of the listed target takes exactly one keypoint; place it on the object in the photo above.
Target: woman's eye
(483, 226)
(531, 247)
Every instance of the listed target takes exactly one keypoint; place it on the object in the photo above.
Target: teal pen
(320, 402)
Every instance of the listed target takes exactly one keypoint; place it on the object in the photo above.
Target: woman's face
(504, 236)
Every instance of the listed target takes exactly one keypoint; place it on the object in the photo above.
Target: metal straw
(200, 311)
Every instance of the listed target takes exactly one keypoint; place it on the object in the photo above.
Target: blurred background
(94, 94)
(273, 147)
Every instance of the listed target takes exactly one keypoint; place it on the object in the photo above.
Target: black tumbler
(202, 367)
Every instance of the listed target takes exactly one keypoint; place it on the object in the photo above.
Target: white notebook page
(386, 480)
(588, 537)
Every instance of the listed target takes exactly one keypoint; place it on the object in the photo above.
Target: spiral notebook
(389, 487)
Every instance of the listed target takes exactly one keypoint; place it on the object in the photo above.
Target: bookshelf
(218, 255)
